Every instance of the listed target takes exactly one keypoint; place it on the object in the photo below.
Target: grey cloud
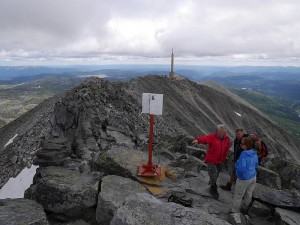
(194, 28)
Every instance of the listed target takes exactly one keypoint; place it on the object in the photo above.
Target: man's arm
(207, 139)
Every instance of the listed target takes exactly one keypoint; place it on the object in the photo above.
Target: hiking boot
(214, 191)
(226, 187)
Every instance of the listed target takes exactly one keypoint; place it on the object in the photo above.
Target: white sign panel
(152, 103)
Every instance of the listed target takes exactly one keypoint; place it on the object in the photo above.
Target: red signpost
(149, 170)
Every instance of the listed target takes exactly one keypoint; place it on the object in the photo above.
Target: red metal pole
(150, 144)
(150, 170)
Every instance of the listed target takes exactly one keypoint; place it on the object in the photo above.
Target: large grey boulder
(65, 192)
(21, 211)
(288, 171)
(123, 161)
(114, 191)
(278, 198)
(268, 177)
(146, 209)
(286, 217)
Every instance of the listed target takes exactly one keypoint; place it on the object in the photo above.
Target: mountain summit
(189, 109)
(74, 132)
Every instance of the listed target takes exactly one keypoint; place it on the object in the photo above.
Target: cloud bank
(93, 31)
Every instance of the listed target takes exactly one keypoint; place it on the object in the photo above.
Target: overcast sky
(205, 32)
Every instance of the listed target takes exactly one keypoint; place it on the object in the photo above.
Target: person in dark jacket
(217, 151)
(246, 167)
(237, 149)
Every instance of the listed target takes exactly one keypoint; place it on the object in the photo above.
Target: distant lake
(95, 75)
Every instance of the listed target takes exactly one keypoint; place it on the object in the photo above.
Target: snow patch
(10, 140)
(237, 113)
(15, 187)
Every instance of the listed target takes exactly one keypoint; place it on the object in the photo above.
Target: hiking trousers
(243, 194)
(213, 172)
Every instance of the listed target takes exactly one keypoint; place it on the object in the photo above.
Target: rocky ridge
(96, 130)
(30, 129)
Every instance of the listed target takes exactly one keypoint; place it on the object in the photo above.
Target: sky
(201, 32)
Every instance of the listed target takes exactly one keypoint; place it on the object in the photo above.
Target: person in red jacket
(217, 151)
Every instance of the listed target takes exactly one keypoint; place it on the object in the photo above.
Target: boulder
(278, 198)
(114, 191)
(65, 192)
(123, 161)
(286, 217)
(146, 209)
(21, 211)
(288, 171)
(268, 177)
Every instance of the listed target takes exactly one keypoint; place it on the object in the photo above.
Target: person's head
(221, 130)
(239, 133)
(246, 143)
(254, 135)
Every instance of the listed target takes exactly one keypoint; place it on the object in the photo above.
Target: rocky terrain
(89, 142)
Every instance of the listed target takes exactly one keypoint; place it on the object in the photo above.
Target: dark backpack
(187, 202)
(264, 149)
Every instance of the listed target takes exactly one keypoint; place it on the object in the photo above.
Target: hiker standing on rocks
(245, 166)
(237, 150)
(218, 148)
(257, 144)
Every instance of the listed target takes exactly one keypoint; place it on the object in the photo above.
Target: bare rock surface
(64, 192)
(238, 219)
(275, 197)
(56, 152)
(122, 161)
(145, 209)
(268, 178)
(114, 191)
(289, 172)
(286, 217)
(22, 211)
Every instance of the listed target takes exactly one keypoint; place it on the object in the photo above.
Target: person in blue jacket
(246, 167)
